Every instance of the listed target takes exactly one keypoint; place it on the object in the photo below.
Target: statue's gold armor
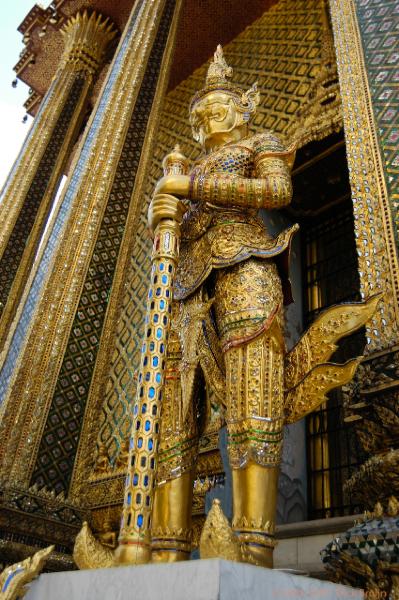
(226, 329)
(227, 323)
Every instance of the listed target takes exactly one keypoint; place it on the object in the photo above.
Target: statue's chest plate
(234, 159)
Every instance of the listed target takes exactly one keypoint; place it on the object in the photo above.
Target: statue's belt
(225, 246)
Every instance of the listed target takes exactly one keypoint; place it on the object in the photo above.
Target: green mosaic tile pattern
(379, 28)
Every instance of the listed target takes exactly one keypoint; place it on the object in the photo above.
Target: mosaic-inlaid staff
(135, 537)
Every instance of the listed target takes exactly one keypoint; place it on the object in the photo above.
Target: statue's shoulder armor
(267, 142)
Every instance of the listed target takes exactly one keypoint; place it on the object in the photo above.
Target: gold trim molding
(378, 262)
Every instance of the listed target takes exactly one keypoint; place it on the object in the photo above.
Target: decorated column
(134, 537)
(28, 194)
(365, 35)
(48, 364)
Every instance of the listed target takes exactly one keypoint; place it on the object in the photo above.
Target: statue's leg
(248, 300)
(171, 520)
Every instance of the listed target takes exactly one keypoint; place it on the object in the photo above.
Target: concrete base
(191, 580)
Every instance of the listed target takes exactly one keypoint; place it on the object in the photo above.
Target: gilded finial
(175, 163)
(218, 70)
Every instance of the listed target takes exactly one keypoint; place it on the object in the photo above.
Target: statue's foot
(260, 556)
(169, 556)
(170, 544)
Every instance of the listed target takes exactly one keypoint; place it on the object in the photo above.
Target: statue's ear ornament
(251, 97)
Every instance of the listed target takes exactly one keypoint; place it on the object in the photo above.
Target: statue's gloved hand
(176, 185)
(164, 206)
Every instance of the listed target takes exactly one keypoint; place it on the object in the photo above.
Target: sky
(12, 130)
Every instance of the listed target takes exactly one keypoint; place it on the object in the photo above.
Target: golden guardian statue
(226, 331)
(227, 317)
(230, 288)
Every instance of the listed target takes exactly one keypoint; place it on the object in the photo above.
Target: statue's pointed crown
(217, 79)
(218, 70)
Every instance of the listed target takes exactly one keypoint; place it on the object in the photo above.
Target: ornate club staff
(134, 538)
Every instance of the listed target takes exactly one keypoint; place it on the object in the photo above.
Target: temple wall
(95, 316)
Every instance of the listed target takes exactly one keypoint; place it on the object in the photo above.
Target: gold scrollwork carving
(376, 248)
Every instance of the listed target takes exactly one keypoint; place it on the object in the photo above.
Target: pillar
(370, 171)
(28, 194)
(49, 362)
(364, 37)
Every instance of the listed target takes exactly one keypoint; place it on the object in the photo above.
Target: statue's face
(213, 115)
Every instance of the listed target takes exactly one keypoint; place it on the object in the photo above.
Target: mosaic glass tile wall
(379, 25)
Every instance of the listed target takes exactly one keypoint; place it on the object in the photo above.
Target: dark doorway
(322, 206)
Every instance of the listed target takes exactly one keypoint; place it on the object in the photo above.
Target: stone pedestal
(196, 580)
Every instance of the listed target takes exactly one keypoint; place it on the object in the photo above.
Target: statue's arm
(271, 188)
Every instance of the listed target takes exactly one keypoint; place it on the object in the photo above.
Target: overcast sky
(12, 130)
